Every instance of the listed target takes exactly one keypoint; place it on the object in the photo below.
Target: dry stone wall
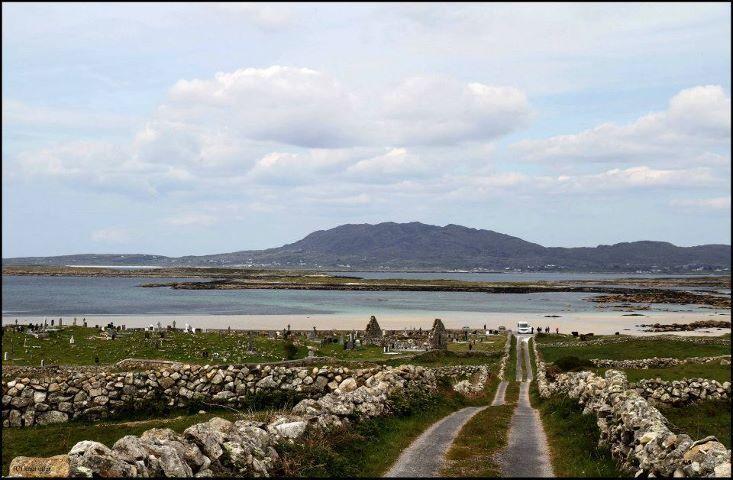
(92, 393)
(654, 362)
(681, 392)
(636, 432)
(242, 448)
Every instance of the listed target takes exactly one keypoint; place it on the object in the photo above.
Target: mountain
(403, 246)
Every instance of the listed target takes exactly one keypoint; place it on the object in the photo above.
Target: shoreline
(600, 323)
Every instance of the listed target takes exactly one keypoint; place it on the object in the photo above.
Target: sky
(188, 129)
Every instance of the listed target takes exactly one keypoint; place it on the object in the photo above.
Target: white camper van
(523, 327)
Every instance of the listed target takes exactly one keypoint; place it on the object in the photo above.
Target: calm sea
(78, 296)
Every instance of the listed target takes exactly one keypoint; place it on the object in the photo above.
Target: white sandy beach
(585, 322)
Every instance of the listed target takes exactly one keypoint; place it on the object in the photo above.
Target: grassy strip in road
(474, 449)
(510, 372)
(699, 420)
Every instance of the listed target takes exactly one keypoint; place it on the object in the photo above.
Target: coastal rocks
(678, 297)
(686, 327)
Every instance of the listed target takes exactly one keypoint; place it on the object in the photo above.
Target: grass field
(702, 419)
(633, 349)
(473, 450)
(177, 346)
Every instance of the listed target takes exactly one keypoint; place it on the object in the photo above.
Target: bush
(291, 351)
(572, 363)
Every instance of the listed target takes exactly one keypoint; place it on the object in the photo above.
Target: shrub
(572, 363)
(291, 351)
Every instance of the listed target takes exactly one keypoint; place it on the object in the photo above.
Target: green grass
(633, 349)
(494, 343)
(711, 417)
(473, 450)
(573, 438)
(369, 448)
(48, 440)
(712, 370)
(438, 358)
(510, 371)
(177, 346)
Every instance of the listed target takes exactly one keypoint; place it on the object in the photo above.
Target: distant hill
(416, 246)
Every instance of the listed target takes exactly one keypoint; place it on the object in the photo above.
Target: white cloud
(441, 110)
(696, 119)
(718, 203)
(115, 235)
(396, 163)
(267, 16)
(192, 219)
(17, 113)
(288, 105)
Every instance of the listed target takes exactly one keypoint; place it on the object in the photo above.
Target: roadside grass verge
(369, 448)
(47, 440)
(573, 439)
(486, 434)
(633, 349)
(701, 419)
(572, 436)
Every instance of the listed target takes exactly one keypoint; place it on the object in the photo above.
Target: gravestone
(71, 340)
(74, 322)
